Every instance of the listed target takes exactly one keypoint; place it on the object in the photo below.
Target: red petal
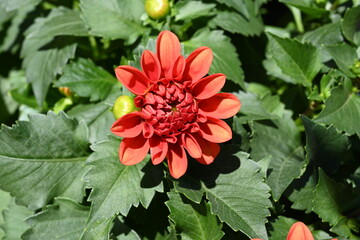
(133, 150)
(177, 160)
(158, 149)
(191, 145)
(221, 105)
(209, 150)
(198, 64)
(178, 68)
(128, 126)
(133, 79)
(215, 130)
(150, 65)
(208, 86)
(299, 231)
(168, 50)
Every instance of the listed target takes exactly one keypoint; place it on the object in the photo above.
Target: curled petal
(147, 130)
(299, 231)
(215, 130)
(178, 68)
(158, 149)
(133, 79)
(208, 86)
(150, 65)
(133, 150)
(221, 105)
(168, 50)
(191, 145)
(209, 150)
(198, 64)
(177, 160)
(128, 126)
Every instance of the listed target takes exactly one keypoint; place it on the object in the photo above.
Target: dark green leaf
(87, 80)
(350, 25)
(193, 220)
(192, 9)
(44, 58)
(116, 187)
(281, 139)
(225, 57)
(342, 102)
(99, 230)
(280, 228)
(344, 57)
(303, 198)
(329, 204)
(328, 34)
(306, 6)
(236, 190)
(299, 61)
(64, 220)
(118, 18)
(43, 158)
(14, 221)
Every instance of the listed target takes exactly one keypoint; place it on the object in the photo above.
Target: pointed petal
(133, 150)
(191, 145)
(221, 105)
(133, 79)
(178, 68)
(299, 231)
(158, 149)
(209, 150)
(177, 160)
(128, 126)
(215, 130)
(168, 50)
(198, 64)
(208, 86)
(150, 65)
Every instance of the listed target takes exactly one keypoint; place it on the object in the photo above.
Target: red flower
(180, 110)
(299, 231)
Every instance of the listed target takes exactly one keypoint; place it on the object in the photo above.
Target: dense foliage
(295, 150)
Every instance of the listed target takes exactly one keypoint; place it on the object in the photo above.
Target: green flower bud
(157, 9)
(355, 68)
(123, 105)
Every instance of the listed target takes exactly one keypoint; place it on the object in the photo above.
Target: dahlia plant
(180, 119)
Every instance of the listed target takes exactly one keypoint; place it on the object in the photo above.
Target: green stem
(297, 17)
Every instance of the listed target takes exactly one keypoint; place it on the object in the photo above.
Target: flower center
(169, 109)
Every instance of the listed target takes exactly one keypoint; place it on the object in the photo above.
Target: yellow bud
(157, 9)
(123, 105)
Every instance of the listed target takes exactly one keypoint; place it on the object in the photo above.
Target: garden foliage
(295, 148)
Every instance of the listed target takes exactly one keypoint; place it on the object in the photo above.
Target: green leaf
(43, 158)
(4, 202)
(235, 188)
(342, 102)
(259, 108)
(116, 187)
(126, 232)
(280, 139)
(98, 118)
(192, 9)
(349, 25)
(118, 18)
(193, 220)
(225, 57)
(280, 228)
(64, 220)
(328, 34)
(299, 61)
(303, 198)
(307, 7)
(87, 80)
(14, 221)
(344, 57)
(11, 5)
(325, 146)
(329, 204)
(44, 57)
(100, 230)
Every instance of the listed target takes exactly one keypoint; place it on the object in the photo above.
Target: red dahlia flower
(179, 109)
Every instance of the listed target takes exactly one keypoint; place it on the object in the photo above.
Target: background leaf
(344, 57)
(349, 25)
(225, 57)
(64, 220)
(192, 9)
(87, 80)
(45, 155)
(193, 220)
